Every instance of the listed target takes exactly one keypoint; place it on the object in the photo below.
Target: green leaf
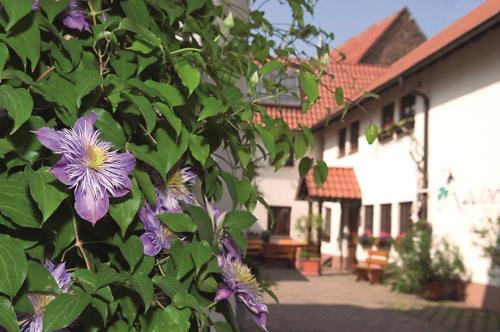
(39, 279)
(189, 76)
(168, 92)
(203, 221)
(185, 300)
(107, 276)
(44, 191)
(320, 173)
(146, 185)
(199, 148)
(238, 219)
(273, 65)
(110, 129)
(172, 119)
(371, 133)
(178, 222)
(16, 10)
(169, 285)
(211, 107)
(300, 146)
(137, 11)
(5, 147)
(124, 65)
(132, 251)
(64, 309)
(124, 209)
(86, 278)
(18, 103)
(24, 38)
(15, 202)
(339, 96)
(8, 319)
(304, 166)
(201, 252)
(171, 149)
(85, 82)
(149, 156)
(193, 5)
(13, 266)
(146, 109)
(170, 319)
(267, 138)
(53, 8)
(4, 56)
(182, 260)
(144, 287)
(309, 86)
(128, 24)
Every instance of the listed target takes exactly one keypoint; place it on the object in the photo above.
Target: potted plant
(311, 263)
(384, 241)
(447, 274)
(366, 240)
(310, 257)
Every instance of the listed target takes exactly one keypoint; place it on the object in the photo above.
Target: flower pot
(311, 267)
(434, 290)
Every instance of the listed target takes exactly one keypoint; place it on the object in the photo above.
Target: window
(369, 218)
(281, 220)
(354, 135)
(327, 227)
(342, 140)
(404, 217)
(408, 111)
(385, 218)
(388, 116)
(282, 89)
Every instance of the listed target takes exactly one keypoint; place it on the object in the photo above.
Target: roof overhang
(341, 184)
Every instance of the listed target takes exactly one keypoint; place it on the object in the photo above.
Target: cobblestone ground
(336, 302)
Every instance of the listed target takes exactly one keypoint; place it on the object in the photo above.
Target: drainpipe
(424, 195)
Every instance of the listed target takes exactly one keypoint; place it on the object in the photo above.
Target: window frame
(388, 108)
(405, 225)
(367, 208)
(354, 137)
(408, 101)
(386, 223)
(343, 140)
(272, 230)
(327, 229)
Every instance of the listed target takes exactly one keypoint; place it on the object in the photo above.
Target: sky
(347, 18)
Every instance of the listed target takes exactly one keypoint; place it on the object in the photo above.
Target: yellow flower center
(175, 180)
(245, 276)
(95, 157)
(41, 301)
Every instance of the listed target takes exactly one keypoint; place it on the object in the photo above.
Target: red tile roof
(341, 183)
(353, 78)
(461, 30)
(356, 47)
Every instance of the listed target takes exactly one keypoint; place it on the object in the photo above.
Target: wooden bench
(255, 248)
(373, 268)
(278, 252)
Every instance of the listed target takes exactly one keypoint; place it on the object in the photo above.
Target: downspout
(424, 194)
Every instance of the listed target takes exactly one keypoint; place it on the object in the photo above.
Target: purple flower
(156, 236)
(33, 322)
(176, 190)
(35, 5)
(89, 166)
(239, 281)
(75, 17)
(228, 247)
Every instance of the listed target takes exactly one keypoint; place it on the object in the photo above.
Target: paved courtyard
(336, 302)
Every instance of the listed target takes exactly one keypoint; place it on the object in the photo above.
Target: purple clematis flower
(88, 165)
(176, 190)
(33, 322)
(75, 17)
(239, 281)
(156, 236)
(35, 5)
(229, 248)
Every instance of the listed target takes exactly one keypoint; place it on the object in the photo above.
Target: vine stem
(79, 245)
(187, 49)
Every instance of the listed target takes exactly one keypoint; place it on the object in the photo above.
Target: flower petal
(261, 320)
(223, 293)
(76, 21)
(49, 138)
(125, 190)
(89, 207)
(36, 324)
(127, 162)
(149, 248)
(85, 122)
(60, 173)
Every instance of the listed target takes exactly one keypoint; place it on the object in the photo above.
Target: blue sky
(347, 18)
